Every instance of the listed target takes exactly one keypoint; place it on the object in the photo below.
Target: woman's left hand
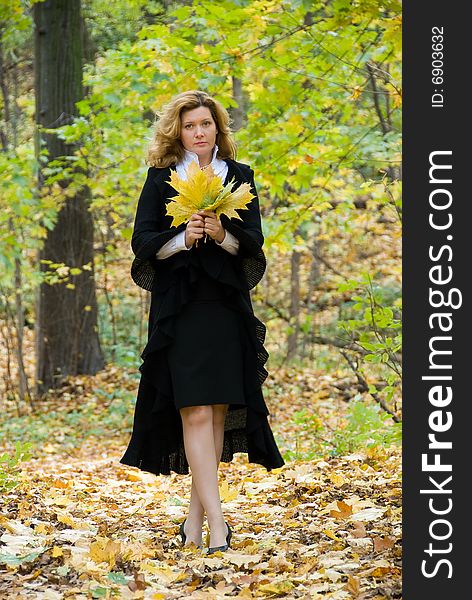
(213, 225)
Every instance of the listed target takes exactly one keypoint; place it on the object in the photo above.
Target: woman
(199, 398)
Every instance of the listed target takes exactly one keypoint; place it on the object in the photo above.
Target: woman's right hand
(194, 229)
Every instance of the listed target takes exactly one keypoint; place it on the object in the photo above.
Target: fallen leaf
(369, 514)
(281, 587)
(353, 585)
(381, 544)
(337, 479)
(105, 550)
(359, 530)
(345, 510)
(228, 493)
(331, 535)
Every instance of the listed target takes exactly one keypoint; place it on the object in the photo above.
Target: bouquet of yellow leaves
(203, 190)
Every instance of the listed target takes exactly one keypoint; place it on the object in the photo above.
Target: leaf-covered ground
(84, 526)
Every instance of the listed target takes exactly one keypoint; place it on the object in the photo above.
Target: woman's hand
(194, 230)
(213, 225)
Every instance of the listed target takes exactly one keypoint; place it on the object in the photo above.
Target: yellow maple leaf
(104, 549)
(331, 534)
(337, 479)
(226, 493)
(203, 190)
(345, 510)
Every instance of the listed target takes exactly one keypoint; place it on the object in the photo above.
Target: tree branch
(365, 388)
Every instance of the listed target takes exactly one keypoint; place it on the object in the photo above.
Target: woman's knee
(219, 412)
(196, 415)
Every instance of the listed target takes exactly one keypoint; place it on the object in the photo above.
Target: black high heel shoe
(184, 535)
(225, 546)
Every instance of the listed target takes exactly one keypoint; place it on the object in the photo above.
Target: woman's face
(198, 132)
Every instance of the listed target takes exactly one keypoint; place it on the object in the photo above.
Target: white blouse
(230, 243)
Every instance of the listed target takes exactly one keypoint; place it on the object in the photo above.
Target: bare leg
(219, 416)
(194, 420)
(196, 513)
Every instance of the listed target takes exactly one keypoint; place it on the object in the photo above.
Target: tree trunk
(292, 342)
(9, 142)
(313, 281)
(237, 113)
(67, 341)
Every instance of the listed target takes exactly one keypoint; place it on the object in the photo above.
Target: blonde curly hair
(166, 148)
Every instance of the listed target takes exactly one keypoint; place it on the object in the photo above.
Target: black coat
(152, 229)
(157, 443)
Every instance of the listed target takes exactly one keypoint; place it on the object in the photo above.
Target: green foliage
(375, 331)
(10, 466)
(308, 424)
(15, 23)
(275, 57)
(24, 218)
(367, 426)
(97, 417)
(125, 15)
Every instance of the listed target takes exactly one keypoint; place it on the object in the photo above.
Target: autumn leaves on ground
(82, 525)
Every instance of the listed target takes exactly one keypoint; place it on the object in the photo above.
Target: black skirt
(205, 360)
(203, 349)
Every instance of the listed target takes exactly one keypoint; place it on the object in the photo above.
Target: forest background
(314, 93)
